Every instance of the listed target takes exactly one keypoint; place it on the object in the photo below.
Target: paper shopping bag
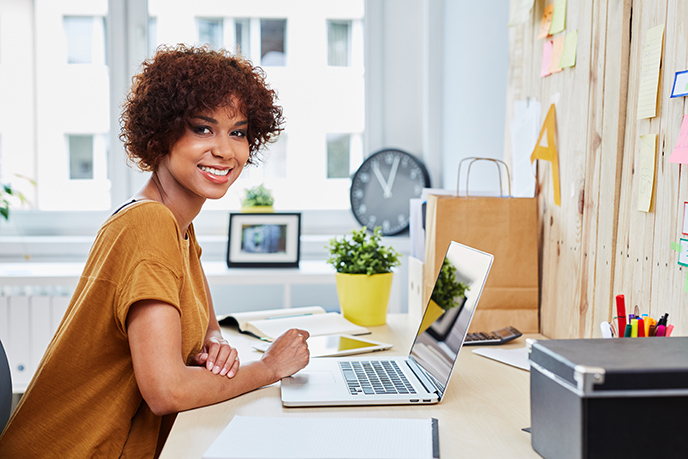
(503, 226)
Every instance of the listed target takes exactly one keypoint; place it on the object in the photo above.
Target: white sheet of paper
(515, 357)
(525, 129)
(291, 437)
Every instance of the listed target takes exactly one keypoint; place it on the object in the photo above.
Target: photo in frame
(264, 240)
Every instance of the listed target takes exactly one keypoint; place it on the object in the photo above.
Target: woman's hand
(288, 353)
(218, 357)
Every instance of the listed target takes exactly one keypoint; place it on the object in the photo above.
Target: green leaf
(362, 253)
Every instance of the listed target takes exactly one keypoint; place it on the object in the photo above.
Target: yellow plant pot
(433, 313)
(257, 210)
(364, 299)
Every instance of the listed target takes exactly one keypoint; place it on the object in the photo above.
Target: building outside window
(58, 131)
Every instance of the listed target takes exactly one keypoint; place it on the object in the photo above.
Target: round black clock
(381, 189)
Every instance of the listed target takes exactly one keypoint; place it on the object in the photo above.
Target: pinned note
(548, 151)
(568, 56)
(646, 171)
(547, 48)
(680, 88)
(680, 152)
(546, 21)
(557, 51)
(682, 249)
(649, 73)
(558, 17)
(519, 11)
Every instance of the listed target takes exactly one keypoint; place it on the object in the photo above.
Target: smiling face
(208, 158)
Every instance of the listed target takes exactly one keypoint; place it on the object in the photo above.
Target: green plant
(448, 289)
(257, 196)
(6, 195)
(362, 253)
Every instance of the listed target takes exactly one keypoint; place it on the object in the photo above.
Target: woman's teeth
(210, 170)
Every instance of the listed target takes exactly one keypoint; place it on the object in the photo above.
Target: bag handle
(497, 163)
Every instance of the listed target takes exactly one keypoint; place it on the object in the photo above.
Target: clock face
(381, 189)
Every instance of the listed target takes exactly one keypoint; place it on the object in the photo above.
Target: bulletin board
(611, 204)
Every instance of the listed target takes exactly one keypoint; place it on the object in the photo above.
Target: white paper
(515, 357)
(249, 437)
(525, 129)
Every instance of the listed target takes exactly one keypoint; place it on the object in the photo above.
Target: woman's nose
(223, 148)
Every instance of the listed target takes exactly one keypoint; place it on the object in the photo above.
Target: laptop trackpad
(311, 377)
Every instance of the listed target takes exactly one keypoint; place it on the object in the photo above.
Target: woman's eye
(201, 130)
(239, 133)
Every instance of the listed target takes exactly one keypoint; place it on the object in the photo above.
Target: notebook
(419, 378)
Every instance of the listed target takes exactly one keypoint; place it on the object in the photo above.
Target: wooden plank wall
(597, 244)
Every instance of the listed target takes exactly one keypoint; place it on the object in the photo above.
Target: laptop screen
(449, 312)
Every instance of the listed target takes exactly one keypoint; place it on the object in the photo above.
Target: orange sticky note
(547, 47)
(557, 50)
(680, 152)
(549, 152)
(546, 21)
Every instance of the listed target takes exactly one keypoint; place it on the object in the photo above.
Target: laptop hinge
(428, 382)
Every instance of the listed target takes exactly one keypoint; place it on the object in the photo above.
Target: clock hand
(392, 176)
(383, 182)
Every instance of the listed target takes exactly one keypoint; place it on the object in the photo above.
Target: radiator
(27, 324)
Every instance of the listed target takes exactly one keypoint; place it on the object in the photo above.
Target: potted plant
(448, 293)
(6, 195)
(257, 199)
(364, 275)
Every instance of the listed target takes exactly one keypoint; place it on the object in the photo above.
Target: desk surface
(486, 404)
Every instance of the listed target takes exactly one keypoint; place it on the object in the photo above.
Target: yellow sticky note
(646, 171)
(558, 18)
(548, 152)
(568, 56)
(557, 50)
(649, 73)
(546, 21)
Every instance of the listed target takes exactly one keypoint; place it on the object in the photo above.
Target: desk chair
(5, 389)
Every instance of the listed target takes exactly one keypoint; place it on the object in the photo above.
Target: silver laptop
(422, 377)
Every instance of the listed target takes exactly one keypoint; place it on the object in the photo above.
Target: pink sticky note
(680, 152)
(547, 48)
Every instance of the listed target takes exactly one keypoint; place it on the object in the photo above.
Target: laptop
(419, 378)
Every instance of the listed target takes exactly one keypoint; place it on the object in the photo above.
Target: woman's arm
(217, 355)
(169, 386)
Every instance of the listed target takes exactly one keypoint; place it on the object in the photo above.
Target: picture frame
(264, 240)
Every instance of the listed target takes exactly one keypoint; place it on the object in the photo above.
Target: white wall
(476, 58)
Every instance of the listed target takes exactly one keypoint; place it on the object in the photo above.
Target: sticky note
(558, 17)
(519, 11)
(557, 50)
(547, 48)
(649, 73)
(548, 152)
(546, 21)
(683, 253)
(680, 88)
(675, 246)
(680, 151)
(646, 171)
(568, 56)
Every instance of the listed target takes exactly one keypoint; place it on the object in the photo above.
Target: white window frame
(68, 234)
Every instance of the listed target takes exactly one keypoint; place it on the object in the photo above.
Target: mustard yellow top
(83, 400)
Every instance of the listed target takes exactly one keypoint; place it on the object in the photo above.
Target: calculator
(494, 337)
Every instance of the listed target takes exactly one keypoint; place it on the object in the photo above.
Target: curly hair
(182, 81)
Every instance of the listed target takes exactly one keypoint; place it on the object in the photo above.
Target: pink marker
(669, 329)
(660, 330)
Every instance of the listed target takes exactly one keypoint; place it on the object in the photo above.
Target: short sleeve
(149, 280)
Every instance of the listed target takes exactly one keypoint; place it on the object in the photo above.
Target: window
(152, 35)
(80, 157)
(338, 155)
(272, 42)
(85, 39)
(338, 54)
(210, 31)
(242, 37)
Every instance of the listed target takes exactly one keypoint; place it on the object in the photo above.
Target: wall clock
(381, 189)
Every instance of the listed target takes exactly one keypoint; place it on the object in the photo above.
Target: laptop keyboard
(376, 377)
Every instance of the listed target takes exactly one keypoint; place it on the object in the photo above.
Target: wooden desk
(484, 409)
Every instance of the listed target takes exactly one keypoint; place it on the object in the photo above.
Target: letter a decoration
(548, 152)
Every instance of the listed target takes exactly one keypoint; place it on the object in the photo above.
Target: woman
(140, 341)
